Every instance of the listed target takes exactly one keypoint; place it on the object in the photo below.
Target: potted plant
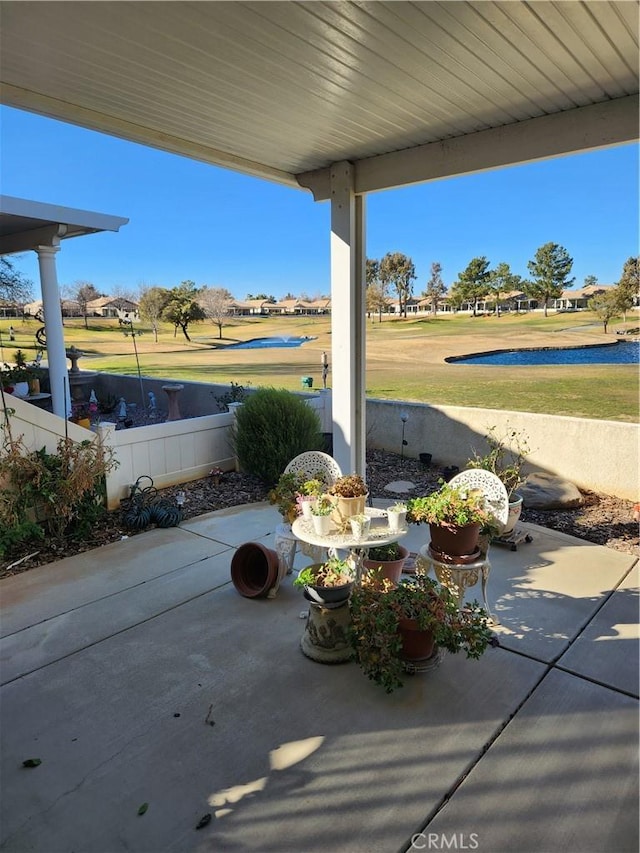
(397, 515)
(321, 511)
(350, 494)
(292, 487)
(327, 583)
(308, 493)
(395, 625)
(360, 526)
(389, 559)
(22, 378)
(456, 516)
(505, 458)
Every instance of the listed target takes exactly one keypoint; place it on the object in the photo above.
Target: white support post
(348, 320)
(56, 354)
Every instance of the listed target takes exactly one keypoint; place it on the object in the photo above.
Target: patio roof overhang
(26, 225)
(342, 98)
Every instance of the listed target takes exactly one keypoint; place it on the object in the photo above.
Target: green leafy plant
(322, 506)
(399, 506)
(385, 553)
(333, 572)
(450, 506)
(272, 427)
(377, 607)
(505, 458)
(235, 394)
(349, 486)
(291, 488)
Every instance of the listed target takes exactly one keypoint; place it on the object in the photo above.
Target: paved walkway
(137, 674)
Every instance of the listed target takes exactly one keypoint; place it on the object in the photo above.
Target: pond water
(622, 352)
(268, 343)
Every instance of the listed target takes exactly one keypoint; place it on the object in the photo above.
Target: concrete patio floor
(137, 674)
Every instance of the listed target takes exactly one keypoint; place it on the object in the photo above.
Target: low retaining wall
(602, 456)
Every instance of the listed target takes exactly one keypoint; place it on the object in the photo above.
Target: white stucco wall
(599, 455)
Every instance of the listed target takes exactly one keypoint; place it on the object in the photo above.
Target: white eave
(25, 224)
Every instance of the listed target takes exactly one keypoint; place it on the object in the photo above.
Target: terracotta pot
(391, 569)
(254, 569)
(453, 560)
(455, 541)
(416, 644)
(34, 386)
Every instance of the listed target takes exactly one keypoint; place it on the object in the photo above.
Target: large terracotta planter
(254, 569)
(391, 569)
(417, 645)
(455, 541)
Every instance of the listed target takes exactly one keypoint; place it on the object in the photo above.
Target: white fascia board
(85, 220)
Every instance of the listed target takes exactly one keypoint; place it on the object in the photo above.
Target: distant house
(113, 306)
(68, 307)
(577, 300)
(250, 307)
(10, 309)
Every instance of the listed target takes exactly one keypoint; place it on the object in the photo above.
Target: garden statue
(122, 409)
(153, 406)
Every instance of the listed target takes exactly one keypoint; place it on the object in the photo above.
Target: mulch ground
(603, 519)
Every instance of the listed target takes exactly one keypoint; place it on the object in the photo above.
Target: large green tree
(628, 289)
(183, 308)
(550, 269)
(151, 304)
(435, 289)
(14, 286)
(398, 270)
(473, 282)
(502, 281)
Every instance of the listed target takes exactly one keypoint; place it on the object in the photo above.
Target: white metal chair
(312, 463)
(459, 578)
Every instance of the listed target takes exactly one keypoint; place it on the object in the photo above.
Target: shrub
(272, 427)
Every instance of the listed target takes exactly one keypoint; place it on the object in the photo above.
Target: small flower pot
(321, 524)
(306, 508)
(426, 458)
(397, 519)
(360, 526)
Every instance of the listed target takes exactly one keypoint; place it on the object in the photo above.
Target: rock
(400, 486)
(544, 491)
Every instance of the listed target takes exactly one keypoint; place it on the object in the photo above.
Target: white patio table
(326, 635)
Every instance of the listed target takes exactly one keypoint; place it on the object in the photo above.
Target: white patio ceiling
(407, 91)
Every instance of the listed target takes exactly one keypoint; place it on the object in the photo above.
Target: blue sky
(189, 220)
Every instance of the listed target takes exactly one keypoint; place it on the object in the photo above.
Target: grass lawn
(405, 359)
